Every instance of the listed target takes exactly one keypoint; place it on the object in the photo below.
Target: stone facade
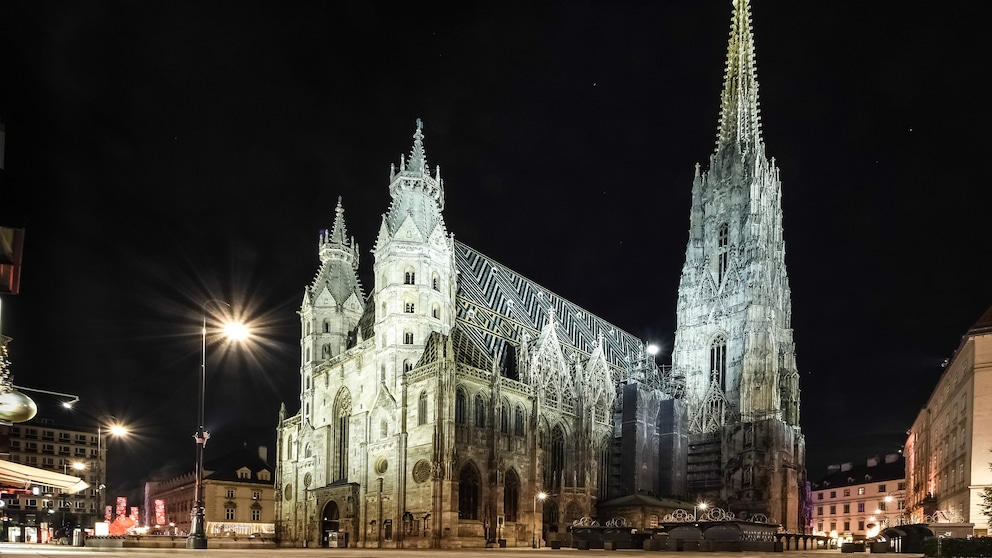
(947, 449)
(435, 409)
(734, 358)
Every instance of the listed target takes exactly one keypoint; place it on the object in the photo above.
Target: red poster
(134, 514)
(121, 506)
(159, 512)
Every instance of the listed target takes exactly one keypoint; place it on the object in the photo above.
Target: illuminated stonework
(733, 347)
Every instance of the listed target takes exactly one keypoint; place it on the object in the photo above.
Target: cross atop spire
(740, 122)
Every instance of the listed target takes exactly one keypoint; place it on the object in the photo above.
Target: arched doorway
(330, 527)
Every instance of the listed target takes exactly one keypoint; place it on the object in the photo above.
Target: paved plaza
(14, 550)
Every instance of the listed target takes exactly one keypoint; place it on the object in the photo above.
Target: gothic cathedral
(437, 407)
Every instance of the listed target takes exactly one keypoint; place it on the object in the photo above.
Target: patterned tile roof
(496, 304)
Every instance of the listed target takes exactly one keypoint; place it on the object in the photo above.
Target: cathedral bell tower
(414, 265)
(332, 304)
(733, 343)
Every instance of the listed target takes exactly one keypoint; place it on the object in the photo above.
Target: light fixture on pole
(197, 534)
(115, 429)
(701, 506)
(539, 496)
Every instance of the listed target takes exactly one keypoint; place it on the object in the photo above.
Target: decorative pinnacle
(740, 122)
(418, 158)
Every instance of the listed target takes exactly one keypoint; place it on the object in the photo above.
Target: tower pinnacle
(740, 122)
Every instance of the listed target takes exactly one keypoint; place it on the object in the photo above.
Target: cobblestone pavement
(14, 550)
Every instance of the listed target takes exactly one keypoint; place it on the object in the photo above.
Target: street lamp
(115, 429)
(197, 534)
(539, 496)
(899, 498)
(701, 506)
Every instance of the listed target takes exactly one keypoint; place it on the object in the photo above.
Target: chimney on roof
(891, 457)
(846, 466)
(263, 454)
(873, 461)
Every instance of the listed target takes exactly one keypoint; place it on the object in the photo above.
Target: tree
(986, 503)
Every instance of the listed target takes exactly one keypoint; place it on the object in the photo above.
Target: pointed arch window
(511, 495)
(341, 442)
(504, 418)
(468, 492)
(408, 338)
(461, 407)
(327, 326)
(436, 282)
(407, 365)
(480, 411)
(436, 312)
(409, 276)
(556, 461)
(718, 362)
(518, 421)
(723, 246)
(422, 408)
(408, 308)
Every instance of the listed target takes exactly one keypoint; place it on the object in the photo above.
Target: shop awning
(21, 476)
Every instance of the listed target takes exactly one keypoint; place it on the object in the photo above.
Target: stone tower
(414, 266)
(332, 305)
(733, 344)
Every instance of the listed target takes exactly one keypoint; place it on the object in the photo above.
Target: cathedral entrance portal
(330, 526)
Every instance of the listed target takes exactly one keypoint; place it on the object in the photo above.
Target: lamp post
(76, 468)
(899, 497)
(197, 534)
(539, 496)
(115, 429)
(701, 506)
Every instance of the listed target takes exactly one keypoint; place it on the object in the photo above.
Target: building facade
(35, 514)
(854, 502)
(947, 449)
(238, 495)
(436, 408)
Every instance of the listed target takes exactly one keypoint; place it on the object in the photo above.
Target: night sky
(160, 154)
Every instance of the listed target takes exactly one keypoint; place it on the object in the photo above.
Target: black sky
(159, 154)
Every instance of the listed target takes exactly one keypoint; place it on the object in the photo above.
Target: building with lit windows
(855, 501)
(238, 498)
(947, 450)
(35, 514)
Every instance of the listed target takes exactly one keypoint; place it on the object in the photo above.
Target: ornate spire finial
(739, 116)
(418, 158)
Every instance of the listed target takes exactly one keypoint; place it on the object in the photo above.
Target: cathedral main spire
(740, 122)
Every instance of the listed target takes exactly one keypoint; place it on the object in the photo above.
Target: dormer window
(244, 473)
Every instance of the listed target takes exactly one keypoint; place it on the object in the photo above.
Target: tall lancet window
(723, 245)
(718, 362)
(556, 460)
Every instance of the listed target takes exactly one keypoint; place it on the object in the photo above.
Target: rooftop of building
(873, 470)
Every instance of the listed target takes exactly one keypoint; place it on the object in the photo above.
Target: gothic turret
(414, 264)
(333, 302)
